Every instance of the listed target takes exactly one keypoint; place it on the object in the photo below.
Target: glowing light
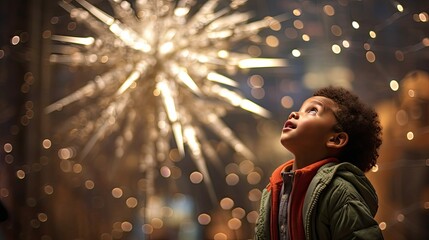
(165, 171)
(305, 37)
(374, 168)
(220, 236)
(238, 213)
(287, 102)
(157, 223)
(49, 190)
(394, 85)
(372, 34)
(336, 49)
(297, 12)
(261, 63)
(296, 53)
(400, 217)
(15, 40)
(42, 217)
(424, 17)
(272, 41)
(346, 43)
(117, 193)
(329, 10)
(255, 195)
(196, 177)
(204, 219)
(382, 226)
(253, 178)
(370, 56)
(175, 57)
(226, 203)
(336, 30)
(147, 229)
(232, 179)
(234, 224)
(7, 147)
(355, 25)
(89, 184)
(399, 7)
(20, 174)
(252, 216)
(298, 24)
(410, 136)
(46, 143)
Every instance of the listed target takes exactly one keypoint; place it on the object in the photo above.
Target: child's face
(310, 128)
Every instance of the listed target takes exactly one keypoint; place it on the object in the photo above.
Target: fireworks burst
(163, 74)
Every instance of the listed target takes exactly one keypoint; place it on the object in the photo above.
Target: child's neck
(305, 160)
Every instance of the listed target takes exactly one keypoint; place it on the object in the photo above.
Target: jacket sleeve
(262, 228)
(349, 216)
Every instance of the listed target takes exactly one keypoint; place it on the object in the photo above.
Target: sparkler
(164, 79)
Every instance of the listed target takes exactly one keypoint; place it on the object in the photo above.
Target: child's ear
(338, 140)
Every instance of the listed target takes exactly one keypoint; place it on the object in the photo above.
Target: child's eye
(312, 110)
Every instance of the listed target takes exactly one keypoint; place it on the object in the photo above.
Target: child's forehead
(320, 100)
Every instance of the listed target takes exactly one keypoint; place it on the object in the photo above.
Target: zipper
(321, 185)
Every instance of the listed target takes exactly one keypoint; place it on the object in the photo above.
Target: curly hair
(360, 122)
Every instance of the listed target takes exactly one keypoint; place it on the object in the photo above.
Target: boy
(323, 193)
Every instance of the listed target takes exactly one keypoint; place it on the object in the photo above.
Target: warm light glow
(370, 56)
(204, 219)
(355, 25)
(329, 10)
(298, 24)
(297, 12)
(296, 53)
(394, 85)
(196, 177)
(410, 136)
(226, 203)
(305, 37)
(234, 224)
(287, 102)
(272, 41)
(7, 147)
(382, 225)
(399, 7)
(232, 179)
(15, 40)
(423, 17)
(46, 143)
(220, 236)
(336, 49)
(117, 192)
(261, 63)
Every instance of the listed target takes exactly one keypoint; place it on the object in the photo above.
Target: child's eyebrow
(318, 103)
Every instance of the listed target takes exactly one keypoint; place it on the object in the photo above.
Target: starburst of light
(165, 74)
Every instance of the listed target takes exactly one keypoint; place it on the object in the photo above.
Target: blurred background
(121, 189)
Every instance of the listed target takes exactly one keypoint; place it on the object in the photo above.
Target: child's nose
(294, 115)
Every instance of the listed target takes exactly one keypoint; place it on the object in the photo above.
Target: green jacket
(340, 203)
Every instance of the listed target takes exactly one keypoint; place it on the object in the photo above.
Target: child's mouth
(289, 125)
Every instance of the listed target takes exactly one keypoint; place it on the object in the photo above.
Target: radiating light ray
(170, 107)
(216, 77)
(74, 40)
(159, 78)
(261, 63)
(195, 147)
